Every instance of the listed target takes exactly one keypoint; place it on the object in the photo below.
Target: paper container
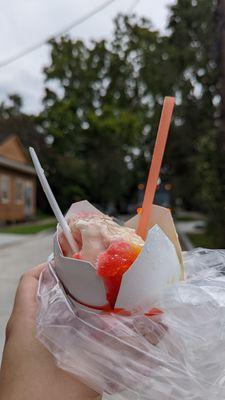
(158, 265)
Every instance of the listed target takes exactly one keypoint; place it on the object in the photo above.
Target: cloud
(25, 22)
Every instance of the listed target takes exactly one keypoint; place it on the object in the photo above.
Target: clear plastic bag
(178, 354)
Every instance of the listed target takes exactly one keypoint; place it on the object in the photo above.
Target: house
(17, 182)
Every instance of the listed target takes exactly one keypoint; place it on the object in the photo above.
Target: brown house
(17, 182)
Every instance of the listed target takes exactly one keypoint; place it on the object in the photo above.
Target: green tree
(13, 121)
(191, 57)
(105, 108)
(199, 160)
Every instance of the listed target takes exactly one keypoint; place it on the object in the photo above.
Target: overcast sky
(25, 22)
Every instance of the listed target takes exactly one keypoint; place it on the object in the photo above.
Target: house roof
(13, 149)
(4, 162)
(13, 156)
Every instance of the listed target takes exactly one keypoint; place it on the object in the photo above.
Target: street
(14, 261)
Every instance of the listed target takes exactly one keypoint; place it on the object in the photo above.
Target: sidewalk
(186, 227)
(8, 239)
(197, 226)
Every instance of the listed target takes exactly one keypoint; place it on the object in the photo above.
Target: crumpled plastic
(177, 354)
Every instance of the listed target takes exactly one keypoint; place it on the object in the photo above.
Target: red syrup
(113, 263)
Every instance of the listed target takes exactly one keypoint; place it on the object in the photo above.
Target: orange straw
(155, 167)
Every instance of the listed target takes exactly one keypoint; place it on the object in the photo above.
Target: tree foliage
(194, 24)
(13, 121)
(102, 106)
(107, 98)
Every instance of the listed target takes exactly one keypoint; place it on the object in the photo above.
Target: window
(28, 199)
(19, 191)
(4, 189)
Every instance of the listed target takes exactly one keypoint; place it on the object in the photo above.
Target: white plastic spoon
(52, 201)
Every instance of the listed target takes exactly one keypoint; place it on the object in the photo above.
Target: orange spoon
(155, 167)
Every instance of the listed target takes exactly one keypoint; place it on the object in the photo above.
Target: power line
(67, 28)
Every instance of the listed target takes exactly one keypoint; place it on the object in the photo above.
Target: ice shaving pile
(109, 247)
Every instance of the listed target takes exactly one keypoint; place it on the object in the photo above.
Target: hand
(28, 370)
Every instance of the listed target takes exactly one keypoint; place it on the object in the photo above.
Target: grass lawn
(28, 229)
(201, 240)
